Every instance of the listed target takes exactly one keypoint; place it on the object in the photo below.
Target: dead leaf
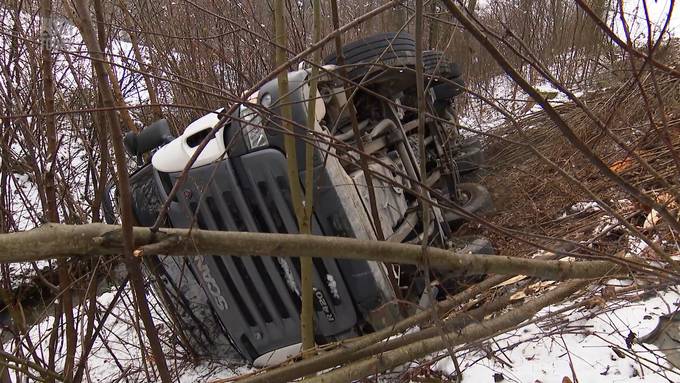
(511, 281)
(540, 285)
(654, 217)
(651, 220)
(518, 296)
(622, 165)
(595, 301)
(618, 352)
(667, 199)
(566, 380)
(608, 292)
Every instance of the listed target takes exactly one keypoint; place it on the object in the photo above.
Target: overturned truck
(247, 308)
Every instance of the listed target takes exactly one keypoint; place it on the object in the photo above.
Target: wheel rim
(464, 197)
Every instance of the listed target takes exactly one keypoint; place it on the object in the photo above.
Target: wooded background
(575, 102)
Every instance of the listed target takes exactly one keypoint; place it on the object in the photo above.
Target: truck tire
(476, 199)
(434, 62)
(447, 81)
(393, 48)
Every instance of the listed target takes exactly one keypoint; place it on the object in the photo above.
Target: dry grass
(532, 197)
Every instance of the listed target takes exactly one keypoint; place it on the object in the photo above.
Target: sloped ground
(531, 196)
(617, 330)
(588, 344)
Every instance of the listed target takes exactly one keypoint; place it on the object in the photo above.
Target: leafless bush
(177, 60)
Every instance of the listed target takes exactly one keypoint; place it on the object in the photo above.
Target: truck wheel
(389, 48)
(434, 62)
(475, 199)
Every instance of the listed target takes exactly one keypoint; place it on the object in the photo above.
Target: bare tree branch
(55, 240)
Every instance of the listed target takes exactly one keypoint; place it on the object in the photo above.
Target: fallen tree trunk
(58, 240)
(411, 352)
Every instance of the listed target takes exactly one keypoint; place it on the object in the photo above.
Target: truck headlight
(251, 121)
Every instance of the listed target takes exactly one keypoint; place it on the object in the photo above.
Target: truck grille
(257, 298)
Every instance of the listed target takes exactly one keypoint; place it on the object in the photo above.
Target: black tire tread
(446, 67)
(374, 45)
(376, 49)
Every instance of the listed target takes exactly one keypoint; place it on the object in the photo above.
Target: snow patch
(288, 275)
(594, 344)
(582, 207)
(332, 286)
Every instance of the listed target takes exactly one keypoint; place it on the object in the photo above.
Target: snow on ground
(587, 206)
(577, 345)
(116, 351)
(588, 343)
(591, 344)
(480, 117)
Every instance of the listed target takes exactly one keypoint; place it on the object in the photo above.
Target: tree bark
(83, 20)
(58, 240)
(411, 352)
(307, 293)
(51, 209)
